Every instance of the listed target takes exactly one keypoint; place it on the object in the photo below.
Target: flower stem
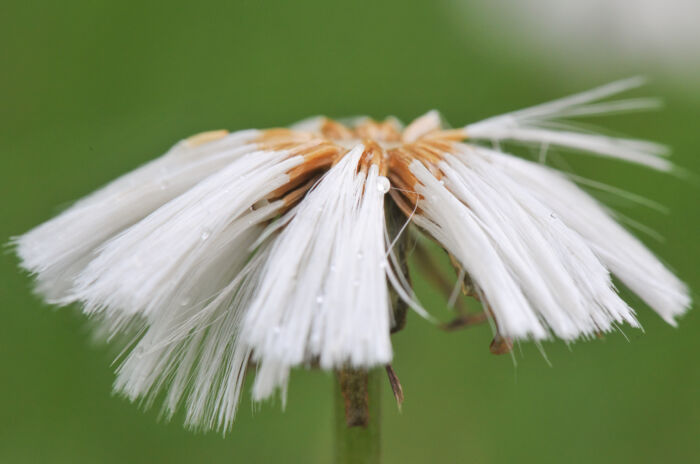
(357, 416)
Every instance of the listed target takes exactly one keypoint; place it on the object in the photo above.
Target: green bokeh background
(91, 89)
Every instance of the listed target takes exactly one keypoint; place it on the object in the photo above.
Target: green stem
(357, 417)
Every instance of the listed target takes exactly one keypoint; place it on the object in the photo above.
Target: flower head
(282, 247)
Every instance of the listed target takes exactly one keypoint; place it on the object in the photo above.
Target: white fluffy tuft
(181, 272)
(179, 279)
(536, 126)
(196, 355)
(188, 257)
(179, 254)
(324, 295)
(58, 249)
(459, 230)
(618, 250)
(540, 259)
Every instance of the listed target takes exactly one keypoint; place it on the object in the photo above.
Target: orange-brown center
(386, 144)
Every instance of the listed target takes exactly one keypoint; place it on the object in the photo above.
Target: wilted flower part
(325, 280)
(274, 248)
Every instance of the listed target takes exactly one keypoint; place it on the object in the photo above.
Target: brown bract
(386, 144)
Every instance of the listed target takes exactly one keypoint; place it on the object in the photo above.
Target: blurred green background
(91, 89)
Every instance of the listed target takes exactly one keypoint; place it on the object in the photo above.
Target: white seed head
(273, 246)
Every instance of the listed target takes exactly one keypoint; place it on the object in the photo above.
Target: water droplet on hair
(383, 264)
(319, 299)
(206, 233)
(383, 184)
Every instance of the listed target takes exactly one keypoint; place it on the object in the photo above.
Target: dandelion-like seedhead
(285, 247)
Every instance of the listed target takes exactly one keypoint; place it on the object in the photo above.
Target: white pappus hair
(58, 249)
(622, 253)
(269, 249)
(324, 291)
(536, 125)
(527, 262)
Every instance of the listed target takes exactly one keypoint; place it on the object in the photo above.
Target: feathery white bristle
(618, 250)
(559, 274)
(179, 254)
(177, 278)
(58, 249)
(324, 290)
(197, 355)
(636, 151)
(502, 246)
(554, 108)
(458, 229)
(190, 287)
(532, 126)
(610, 108)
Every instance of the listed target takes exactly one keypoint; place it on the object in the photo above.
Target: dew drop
(383, 184)
(206, 233)
(319, 299)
